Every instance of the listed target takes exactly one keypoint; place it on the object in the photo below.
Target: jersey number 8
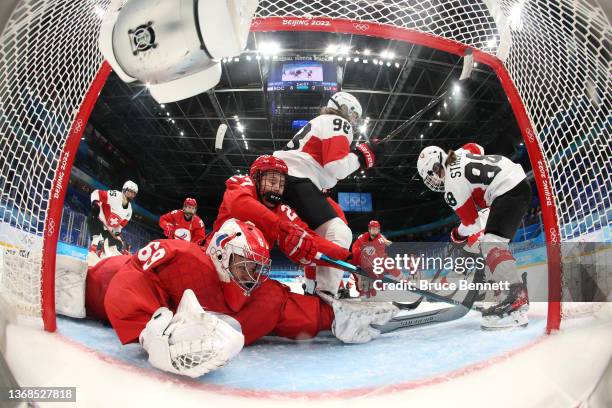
(482, 173)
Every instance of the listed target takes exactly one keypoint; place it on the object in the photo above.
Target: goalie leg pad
(352, 318)
(192, 342)
(70, 277)
(336, 231)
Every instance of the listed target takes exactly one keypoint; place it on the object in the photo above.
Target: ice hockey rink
(180, 96)
(452, 363)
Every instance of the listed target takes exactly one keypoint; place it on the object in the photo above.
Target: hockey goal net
(551, 56)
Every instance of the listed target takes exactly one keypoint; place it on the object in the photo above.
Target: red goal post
(356, 27)
(550, 57)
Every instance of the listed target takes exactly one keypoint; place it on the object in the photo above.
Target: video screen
(302, 76)
(302, 71)
(355, 202)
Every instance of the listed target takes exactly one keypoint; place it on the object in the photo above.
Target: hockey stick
(357, 270)
(408, 306)
(421, 319)
(414, 117)
(220, 136)
(219, 144)
(466, 72)
(414, 305)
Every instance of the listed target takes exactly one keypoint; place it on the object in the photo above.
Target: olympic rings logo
(51, 226)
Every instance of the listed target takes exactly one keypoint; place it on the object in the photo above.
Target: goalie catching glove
(369, 153)
(296, 243)
(191, 342)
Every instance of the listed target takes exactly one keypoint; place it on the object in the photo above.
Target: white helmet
(353, 107)
(130, 185)
(236, 237)
(430, 161)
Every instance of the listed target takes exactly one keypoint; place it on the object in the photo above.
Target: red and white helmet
(190, 201)
(240, 238)
(374, 224)
(265, 163)
(430, 161)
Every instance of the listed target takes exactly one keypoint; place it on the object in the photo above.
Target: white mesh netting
(558, 59)
(48, 59)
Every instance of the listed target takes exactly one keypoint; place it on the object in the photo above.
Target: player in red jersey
(193, 309)
(184, 224)
(258, 198)
(471, 180)
(367, 246)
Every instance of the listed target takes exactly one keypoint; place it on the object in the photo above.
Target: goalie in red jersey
(193, 310)
(184, 224)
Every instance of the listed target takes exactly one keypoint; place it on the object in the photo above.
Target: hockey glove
(95, 209)
(369, 153)
(457, 238)
(296, 243)
(169, 231)
(191, 342)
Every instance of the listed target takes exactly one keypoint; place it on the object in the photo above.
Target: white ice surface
(452, 363)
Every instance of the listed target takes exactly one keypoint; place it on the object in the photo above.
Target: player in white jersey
(318, 157)
(110, 212)
(470, 181)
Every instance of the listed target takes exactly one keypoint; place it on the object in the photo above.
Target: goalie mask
(430, 166)
(269, 174)
(240, 254)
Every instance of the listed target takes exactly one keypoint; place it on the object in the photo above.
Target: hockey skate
(511, 312)
(94, 254)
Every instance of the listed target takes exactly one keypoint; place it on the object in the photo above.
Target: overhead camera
(174, 46)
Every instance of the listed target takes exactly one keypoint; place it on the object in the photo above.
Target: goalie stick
(434, 316)
(421, 319)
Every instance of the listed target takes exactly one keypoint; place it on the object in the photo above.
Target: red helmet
(265, 163)
(374, 224)
(190, 201)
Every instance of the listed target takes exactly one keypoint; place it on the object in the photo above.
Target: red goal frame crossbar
(344, 26)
